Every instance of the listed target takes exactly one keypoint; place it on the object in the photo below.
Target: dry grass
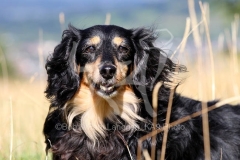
(225, 88)
(29, 109)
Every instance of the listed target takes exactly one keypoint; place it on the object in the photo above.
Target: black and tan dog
(100, 83)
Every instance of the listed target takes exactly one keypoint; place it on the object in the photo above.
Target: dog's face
(106, 53)
(105, 59)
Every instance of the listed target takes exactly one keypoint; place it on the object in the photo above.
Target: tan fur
(95, 40)
(92, 70)
(121, 70)
(95, 109)
(78, 69)
(117, 40)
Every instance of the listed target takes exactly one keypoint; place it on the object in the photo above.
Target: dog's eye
(122, 49)
(89, 49)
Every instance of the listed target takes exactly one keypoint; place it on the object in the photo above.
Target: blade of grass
(220, 42)
(210, 49)
(165, 134)
(155, 106)
(198, 44)
(146, 155)
(11, 129)
(206, 139)
(235, 69)
(62, 20)
(182, 45)
(108, 19)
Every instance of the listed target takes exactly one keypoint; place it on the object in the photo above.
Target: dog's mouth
(105, 90)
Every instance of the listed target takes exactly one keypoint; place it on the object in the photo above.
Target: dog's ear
(63, 77)
(150, 63)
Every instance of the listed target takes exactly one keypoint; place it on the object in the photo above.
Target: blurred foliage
(7, 69)
(230, 7)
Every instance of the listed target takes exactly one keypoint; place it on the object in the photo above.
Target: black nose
(107, 71)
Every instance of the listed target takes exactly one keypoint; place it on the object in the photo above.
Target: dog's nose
(107, 71)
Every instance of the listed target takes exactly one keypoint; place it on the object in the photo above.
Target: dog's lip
(105, 89)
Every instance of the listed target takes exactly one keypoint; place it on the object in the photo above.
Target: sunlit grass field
(23, 107)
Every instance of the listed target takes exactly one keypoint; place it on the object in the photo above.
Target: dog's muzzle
(107, 71)
(107, 86)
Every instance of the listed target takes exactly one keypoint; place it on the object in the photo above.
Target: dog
(100, 86)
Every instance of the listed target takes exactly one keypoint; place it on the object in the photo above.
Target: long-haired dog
(100, 84)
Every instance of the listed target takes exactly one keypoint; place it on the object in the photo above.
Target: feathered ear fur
(63, 79)
(150, 63)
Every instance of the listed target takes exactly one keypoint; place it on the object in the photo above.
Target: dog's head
(105, 54)
(102, 65)
(105, 58)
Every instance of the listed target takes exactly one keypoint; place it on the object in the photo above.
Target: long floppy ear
(63, 79)
(151, 64)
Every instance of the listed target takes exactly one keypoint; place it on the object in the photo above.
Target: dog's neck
(95, 109)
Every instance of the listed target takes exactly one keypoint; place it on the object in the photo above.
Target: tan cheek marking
(91, 71)
(96, 75)
(121, 70)
(117, 40)
(88, 72)
(95, 40)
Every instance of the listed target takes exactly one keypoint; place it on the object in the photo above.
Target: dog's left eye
(123, 49)
(89, 49)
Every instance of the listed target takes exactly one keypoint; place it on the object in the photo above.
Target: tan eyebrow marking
(95, 40)
(117, 40)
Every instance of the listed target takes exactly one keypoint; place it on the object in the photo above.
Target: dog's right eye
(123, 49)
(89, 49)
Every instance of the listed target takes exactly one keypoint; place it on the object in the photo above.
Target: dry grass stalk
(165, 135)
(146, 155)
(184, 40)
(235, 69)
(207, 13)
(220, 42)
(108, 19)
(182, 45)
(198, 44)
(187, 33)
(11, 129)
(213, 85)
(155, 106)
(228, 39)
(185, 36)
(227, 101)
(206, 138)
(62, 20)
(192, 13)
(230, 48)
(139, 148)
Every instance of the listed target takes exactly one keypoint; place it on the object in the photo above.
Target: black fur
(185, 141)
